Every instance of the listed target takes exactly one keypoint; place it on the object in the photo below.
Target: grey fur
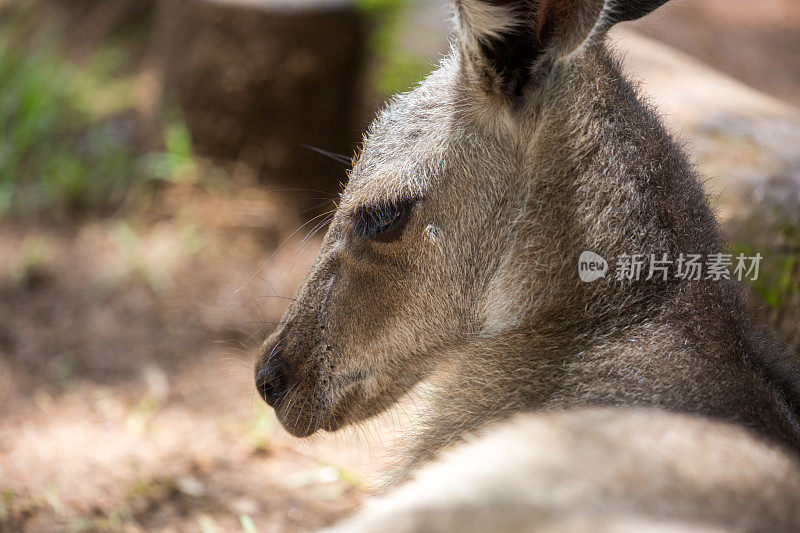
(516, 185)
(597, 470)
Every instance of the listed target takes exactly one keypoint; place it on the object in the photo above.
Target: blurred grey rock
(744, 142)
(259, 80)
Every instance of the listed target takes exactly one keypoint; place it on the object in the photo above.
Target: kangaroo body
(607, 177)
(455, 248)
(597, 470)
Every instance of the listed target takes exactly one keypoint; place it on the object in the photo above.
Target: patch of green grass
(397, 69)
(52, 497)
(114, 521)
(31, 266)
(343, 474)
(133, 250)
(154, 489)
(68, 130)
(176, 163)
(247, 524)
(778, 282)
(16, 509)
(207, 524)
(260, 428)
(139, 420)
(6, 504)
(65, 131)
(62, 370)
(773, 230)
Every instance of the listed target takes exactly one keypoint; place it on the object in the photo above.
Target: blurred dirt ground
(126, 355)
(127, 340)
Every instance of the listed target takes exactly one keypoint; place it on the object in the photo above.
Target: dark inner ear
(510, 57)
(624, 10)
(544, 30)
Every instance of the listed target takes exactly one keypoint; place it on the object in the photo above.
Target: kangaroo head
(417, 260)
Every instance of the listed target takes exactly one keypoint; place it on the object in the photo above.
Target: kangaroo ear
(507, 44)
(622, 10)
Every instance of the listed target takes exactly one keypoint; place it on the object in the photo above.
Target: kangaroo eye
(381, 220)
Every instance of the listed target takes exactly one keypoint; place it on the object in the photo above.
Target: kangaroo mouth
(331, 410)
(348, 391)
(303, 421)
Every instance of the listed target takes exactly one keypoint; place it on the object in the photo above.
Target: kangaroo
(597, 470)
(454, 250)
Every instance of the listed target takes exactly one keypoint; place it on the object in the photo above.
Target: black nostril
(272, 379)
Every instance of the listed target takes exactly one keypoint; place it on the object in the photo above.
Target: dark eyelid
(383, 221)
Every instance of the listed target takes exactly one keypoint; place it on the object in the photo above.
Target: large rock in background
(744, 141)
(757, 42)
(745, 144)
(260, 80)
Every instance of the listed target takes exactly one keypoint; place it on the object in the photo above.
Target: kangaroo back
(599, 470)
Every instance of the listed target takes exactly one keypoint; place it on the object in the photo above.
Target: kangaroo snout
(293, 376)
(282, 380)
(272, 378)
(450, 263)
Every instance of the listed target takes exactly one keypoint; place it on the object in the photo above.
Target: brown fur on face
(514, 157)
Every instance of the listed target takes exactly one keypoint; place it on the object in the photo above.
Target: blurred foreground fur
(599, 470)
(453, 254)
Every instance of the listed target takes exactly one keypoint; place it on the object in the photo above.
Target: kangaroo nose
(271, 380)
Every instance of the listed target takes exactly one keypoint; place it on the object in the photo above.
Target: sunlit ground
(137, 280)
